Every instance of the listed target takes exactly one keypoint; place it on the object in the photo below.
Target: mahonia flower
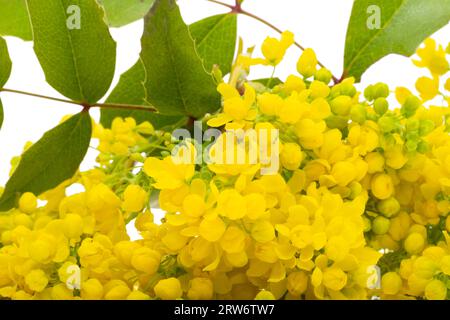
(428, 88)
(237, 109)
(432, 57)
(307, 63)
(167, 173)
(124, 133)
(273, 50)
(134, 198)
(168, 289)
(361, 198)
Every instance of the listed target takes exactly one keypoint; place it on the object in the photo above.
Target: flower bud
(168, 289)
(409, 108)
(380, 225)
(380, 106)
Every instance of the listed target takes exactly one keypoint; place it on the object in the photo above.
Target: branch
(124, 106)
(223, 4)
(83, 104)
(237, 9)
(40, 96)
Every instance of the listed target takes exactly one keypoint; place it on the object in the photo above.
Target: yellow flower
(167, 173)
(231, 204)
(382, 186)
(297, 283)
(432, 58)
(292, 109)
(334, 278)
(134, 199)
(233, 240)
(291, 156)
(45, 246)
(102, 198)
(337, 248)
(263, 231)
(436, 290)
(200, 289)
(307, 63)
(344, 172)
(414, 243)
(246, 61)
(194, 205)
(447, 85)
(212, 229)
(28, 202)
(375, 162)
(274, 49)
(61, 292)
(36, 280)
(92, 289)
(427, 87)
(391, 283)
(445, 265)
(93, 252)
(73, 226)
(270, 104)
(116, 290)
(168, 289)
(265, 295)
(230, 155)
(293, 83)
(146, 260)
(310, 133)
(138, 295)
(319, 89)
(236, 109)
(123, 134)
(401, 94)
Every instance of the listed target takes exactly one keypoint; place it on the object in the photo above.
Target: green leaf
(50, 161)
(130, 90)
(268, 82)
(14, 19)
(121, 12)
(5, 71)
(215, 39)
(404, 25)
(5, 63)
(176, 82)
(79, 63)
(1, 114)
(218, 32)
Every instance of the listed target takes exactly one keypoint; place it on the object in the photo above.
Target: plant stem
(271, 77)
(39, 96)
(237, 9)
(123, 106)
(83, 104)
(223, 4)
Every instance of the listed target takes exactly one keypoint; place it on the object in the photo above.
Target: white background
(319, 24)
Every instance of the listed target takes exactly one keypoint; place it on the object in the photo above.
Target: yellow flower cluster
(358, 207)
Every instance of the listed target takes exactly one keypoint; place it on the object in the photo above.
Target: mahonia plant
(357, 208)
